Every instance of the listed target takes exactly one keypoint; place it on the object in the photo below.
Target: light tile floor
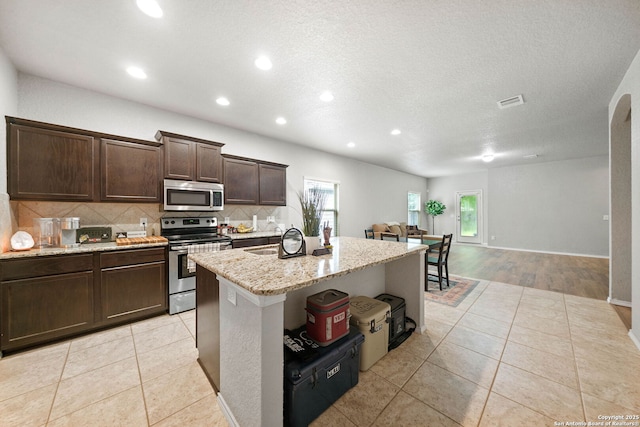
(506, 355)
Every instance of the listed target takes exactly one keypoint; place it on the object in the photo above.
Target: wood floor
(572, 275)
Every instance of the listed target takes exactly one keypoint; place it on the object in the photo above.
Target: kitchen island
(246, 298)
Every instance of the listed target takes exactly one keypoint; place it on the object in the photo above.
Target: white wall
(551, 207)
(444, 190)
(368, 193)
(8, 107)
(631, 85)
(548, 207)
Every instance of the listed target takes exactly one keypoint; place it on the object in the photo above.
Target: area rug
(457, 291)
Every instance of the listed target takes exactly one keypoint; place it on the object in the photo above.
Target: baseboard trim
(635, 339)
(549, 252)
(226, 411)
(619, 302)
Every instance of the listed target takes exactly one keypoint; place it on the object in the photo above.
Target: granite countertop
(269, 275)
(85, 248)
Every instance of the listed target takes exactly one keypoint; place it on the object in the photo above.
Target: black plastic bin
(397, 324)
(315, 377)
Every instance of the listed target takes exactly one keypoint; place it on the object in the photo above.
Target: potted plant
(434, 208)
(312, 204)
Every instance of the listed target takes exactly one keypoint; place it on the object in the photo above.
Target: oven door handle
(180, 249)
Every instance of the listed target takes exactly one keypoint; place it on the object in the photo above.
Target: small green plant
(312, 204)
(434, 208)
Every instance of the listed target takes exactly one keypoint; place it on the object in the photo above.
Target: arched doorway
(620, 201)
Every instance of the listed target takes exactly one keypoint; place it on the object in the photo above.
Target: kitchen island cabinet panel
(130, 172)
(46, 164)
(45, 308)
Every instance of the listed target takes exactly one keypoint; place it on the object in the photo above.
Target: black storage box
(315, 377)
(397, 324)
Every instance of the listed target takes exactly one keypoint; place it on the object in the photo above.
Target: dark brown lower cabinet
(133, 284)
(44, 308)
(254, 241)
(51, 297)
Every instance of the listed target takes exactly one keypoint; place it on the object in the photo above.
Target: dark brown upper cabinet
(191, 159)
(47, 162)
(130, 172)
(240, 181)
(254, 182)
(52, 162)
(273, 184)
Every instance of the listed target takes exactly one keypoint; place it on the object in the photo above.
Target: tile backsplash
(126, 216)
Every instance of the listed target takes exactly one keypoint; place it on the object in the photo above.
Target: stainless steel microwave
(193, 196)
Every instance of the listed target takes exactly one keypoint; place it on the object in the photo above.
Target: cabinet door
(44, 308)
(240, 181)
(130, 172)
(46, 164)
(273, 185)
(208, 163)
(133, 291)
(179, 158)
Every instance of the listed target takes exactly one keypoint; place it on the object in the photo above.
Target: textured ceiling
(432, 68)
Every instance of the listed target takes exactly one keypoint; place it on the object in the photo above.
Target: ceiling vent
(511, 102)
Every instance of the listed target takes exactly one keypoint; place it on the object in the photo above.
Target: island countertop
(269, 275)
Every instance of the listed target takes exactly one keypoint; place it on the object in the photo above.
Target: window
(330, 211)
(413, 208)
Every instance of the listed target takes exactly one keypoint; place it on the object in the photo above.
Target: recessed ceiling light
(263, 63)
(351, 144)
(396, 132)
(326, 96)
(281, 121)
(222, 101)
(488, 158)
(150, 7)
(530, 156)
(136, 72)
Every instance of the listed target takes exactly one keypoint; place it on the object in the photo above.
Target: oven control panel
(198, 222)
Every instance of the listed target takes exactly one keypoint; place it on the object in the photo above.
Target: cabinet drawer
(44, 266)
(252, 241)
(130, 257)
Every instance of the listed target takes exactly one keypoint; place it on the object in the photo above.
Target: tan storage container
(371, 316)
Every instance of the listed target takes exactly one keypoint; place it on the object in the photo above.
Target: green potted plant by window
(312, 204)
(434, 208)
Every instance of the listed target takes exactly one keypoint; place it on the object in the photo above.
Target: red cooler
(328, 316)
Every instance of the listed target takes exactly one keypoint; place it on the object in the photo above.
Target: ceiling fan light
(488, 158)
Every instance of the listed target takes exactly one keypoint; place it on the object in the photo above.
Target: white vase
(311, 242)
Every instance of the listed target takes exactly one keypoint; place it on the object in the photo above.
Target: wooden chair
(368, 233)
(389, 236)
(440, 262)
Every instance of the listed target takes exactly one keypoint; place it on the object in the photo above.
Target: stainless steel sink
(262, 251)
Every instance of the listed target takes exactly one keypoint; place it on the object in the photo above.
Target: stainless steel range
(188, 235)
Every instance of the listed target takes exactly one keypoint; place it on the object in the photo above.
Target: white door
(469, 216)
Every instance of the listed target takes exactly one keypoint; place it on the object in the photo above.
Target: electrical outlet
(493, 237)
(143, 222)
(605, 217)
